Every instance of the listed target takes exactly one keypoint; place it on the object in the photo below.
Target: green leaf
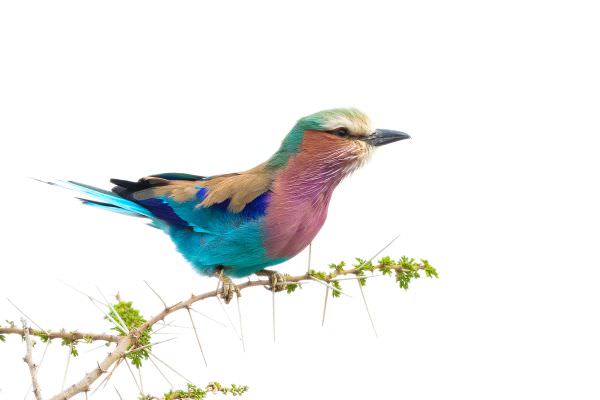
(291, 287)
(338, 267)
(318, 274)
(72, 344)
(338, 286)
(385, 261)
(132, 319)
(429, 270)
(43, 336)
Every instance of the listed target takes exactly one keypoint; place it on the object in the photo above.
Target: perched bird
(237, 224)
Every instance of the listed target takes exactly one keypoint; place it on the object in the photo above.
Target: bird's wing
(199, 202)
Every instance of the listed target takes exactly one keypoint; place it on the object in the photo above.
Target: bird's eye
(341, 132)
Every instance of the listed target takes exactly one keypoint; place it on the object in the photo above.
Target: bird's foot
(278, 281)
(228, 288)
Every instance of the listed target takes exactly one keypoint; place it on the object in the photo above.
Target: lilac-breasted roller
(240, 223)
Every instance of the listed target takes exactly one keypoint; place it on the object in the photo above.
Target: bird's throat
(302, 191)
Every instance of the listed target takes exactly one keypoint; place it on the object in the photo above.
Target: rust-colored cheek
(321, 143)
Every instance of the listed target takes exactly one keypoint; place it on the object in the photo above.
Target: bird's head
(342, 135)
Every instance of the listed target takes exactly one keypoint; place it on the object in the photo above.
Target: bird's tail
(103, 199)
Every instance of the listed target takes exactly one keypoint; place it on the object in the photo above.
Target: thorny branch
(69, 336)
(404, 269)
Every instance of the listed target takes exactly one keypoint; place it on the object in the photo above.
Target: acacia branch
(126, 342)
(69, 336)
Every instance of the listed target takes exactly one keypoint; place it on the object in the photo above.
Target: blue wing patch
(186, 215)
(162, 210)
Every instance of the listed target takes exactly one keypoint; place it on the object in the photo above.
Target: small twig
(38, 367)
(29, 361)
(70, 336)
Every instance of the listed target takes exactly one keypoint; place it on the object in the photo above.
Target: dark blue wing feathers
(180, 214)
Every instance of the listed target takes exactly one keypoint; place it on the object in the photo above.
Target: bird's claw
(228, 289)
(277, 280)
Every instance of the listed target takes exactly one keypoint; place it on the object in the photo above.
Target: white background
(497, 188)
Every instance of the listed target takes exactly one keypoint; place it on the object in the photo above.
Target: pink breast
(291, 224)
(301, 194)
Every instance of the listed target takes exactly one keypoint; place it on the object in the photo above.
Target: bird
(238, 224)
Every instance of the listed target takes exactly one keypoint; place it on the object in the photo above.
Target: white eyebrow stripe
(356, 126)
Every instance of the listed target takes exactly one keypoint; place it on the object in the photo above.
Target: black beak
(384, 136)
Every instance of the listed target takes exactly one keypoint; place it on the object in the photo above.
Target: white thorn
(380, 251)
(159, 371)
(329, 286)
(164, 325)
(157, 295)
(168, 366)
(80, 292)
(209, 317)
(197, 337)
(111, 319)
(150, 345)
(309, 257)
(140, 376)
(273, 303)
(113, 310)
(107, 377)
(118, 394)
(362, 292)
(25, 315)
(241, 326)
(352, 278)
(66, 369)
(228, 318)
(94, 348)
(325, 306)
(133, 376)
